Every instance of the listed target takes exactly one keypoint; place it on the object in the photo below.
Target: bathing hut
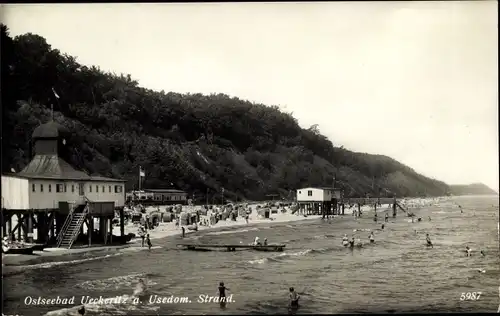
(57, 200)
(315, 201)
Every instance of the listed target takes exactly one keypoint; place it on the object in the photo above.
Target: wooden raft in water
(206, 247)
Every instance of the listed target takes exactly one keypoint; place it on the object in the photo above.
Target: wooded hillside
(192, 142)
(472, 189)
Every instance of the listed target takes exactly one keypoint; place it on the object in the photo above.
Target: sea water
(395, 274)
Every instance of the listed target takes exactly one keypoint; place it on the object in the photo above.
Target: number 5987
(470, 296)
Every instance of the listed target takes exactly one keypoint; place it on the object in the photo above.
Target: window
(310, 193)
(118, 189)
(103, 189)
(90, 188)
(72, 188)
(50, 187)
(109, 189)
(33, 187)
(96, 188)
(59, 188)
(41, 187)
(65, 188)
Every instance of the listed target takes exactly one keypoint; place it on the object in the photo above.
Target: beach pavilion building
(53, 202)
(319, 201)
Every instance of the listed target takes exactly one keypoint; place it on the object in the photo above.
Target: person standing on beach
(386, 218)
(183, 232)
(142, 233)
(148, 241)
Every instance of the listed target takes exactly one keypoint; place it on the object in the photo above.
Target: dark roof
(53, 167)
(48, 130)
(164, 190)
(322, 188)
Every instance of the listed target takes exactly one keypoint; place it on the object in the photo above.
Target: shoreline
(167, 230)
(17, 262)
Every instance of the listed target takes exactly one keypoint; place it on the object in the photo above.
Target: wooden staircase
(72, 226)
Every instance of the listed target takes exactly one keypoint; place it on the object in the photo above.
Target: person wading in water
(294, 299)
(222, 294)
(429, 242)
(372, 238)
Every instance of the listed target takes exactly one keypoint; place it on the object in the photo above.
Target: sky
(416, 81)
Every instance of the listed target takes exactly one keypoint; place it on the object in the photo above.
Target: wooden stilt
(19, 225)
(110, 230)
(10, 225)
(90, 228)
(29, 227)
(122, 223)
(4, 225)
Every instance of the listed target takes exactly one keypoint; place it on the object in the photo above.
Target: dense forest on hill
(198, 143)
(472, 189)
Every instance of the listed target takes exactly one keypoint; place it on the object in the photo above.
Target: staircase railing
(65, 226)
(74, 233)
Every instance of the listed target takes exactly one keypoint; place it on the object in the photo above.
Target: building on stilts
(323, 201)
(54, 203)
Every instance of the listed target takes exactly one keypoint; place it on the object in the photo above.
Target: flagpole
(139, 178)
(52, 105)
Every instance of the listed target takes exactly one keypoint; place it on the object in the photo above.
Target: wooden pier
(206, 247)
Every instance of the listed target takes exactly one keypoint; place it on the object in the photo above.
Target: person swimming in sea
(81, 311)
(383, 226)
(372, 238)
(294, 299)
(265, 241)
(375, 219)
(482, 253)
(359, 244)
(345, 240)
(429, 218)
(468, 251)
(429, 242)
(351, 243)
(386, 218)
(140, 289)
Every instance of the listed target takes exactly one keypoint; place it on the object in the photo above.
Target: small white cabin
(318, 194)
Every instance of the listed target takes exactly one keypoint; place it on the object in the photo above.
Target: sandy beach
(164, 230)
